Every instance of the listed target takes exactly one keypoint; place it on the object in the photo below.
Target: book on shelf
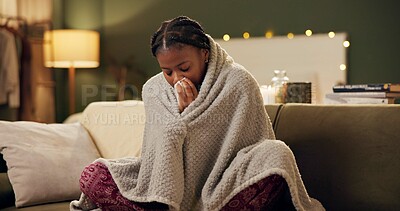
(364, 94)
(360, 100)
(381, 87)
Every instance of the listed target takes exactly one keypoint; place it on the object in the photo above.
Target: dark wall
(126, 26)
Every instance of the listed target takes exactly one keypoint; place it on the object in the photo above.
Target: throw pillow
(45, 161)
(116, 127)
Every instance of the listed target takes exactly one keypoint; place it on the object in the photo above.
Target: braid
(179, 30)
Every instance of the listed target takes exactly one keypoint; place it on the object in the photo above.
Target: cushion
(116, 127)
(73, 118)
(45, 160)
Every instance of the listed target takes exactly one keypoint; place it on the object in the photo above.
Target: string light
(246, 35)
(269, 34)
(342, 67)
(226, 37)
(290, 35)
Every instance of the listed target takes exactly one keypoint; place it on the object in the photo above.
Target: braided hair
(180, 30)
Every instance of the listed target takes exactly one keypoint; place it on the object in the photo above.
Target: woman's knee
(90, 174)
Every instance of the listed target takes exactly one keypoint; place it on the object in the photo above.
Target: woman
(208, 142)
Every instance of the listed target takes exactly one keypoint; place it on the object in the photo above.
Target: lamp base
(71, 86)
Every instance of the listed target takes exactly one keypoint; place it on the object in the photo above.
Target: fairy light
(269, 34)
(246, 35)
(342, 67)
(346, 44)
(290, 35)
(226, 37)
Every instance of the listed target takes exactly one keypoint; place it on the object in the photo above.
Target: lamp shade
(71, 48)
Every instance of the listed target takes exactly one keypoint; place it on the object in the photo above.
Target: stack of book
(385, 93)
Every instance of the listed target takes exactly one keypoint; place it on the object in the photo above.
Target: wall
(126, 27)
(78, 15)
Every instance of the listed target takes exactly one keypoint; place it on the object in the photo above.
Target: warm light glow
(246, 35)
(331, 34)
(226, 37)
(71, 48)
(346, 44)
(269, 34)
(308, 32)
(290, 35)
(342, 67)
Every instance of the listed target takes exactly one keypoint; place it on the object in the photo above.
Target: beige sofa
(348, 155)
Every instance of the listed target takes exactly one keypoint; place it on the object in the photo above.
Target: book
(359, 100)
(365, 94)
(382, 87)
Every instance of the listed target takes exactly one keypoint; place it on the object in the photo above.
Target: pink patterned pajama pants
(98, 185)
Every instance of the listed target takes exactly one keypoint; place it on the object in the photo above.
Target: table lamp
(70, 48)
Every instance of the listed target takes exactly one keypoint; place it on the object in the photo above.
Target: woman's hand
(186, 93)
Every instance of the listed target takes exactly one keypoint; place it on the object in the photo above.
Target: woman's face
(181, 61)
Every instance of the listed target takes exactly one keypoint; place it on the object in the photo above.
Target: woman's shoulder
(240, 74)
(153, 84)
(156, 79)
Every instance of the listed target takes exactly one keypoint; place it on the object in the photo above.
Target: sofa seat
(44, 207)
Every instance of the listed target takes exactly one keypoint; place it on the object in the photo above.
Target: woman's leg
(266, 194)
(98, 185)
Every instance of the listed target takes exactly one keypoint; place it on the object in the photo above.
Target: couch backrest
(273, 110)
(348, 155)
(116, 127)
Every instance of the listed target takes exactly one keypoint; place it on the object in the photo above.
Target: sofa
(348, 155)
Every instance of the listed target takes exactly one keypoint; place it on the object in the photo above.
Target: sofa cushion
(348, 155)
(116, 127)
(45, 160)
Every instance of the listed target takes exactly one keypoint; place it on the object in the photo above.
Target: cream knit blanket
(220, 144)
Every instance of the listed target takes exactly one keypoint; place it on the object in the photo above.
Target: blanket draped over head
(201, 158)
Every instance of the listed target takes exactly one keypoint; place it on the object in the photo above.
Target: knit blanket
(199, 159)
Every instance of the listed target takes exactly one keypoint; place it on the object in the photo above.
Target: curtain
(32, 10)
(35, 10)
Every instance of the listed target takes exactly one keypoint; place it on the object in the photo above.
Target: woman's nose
(176, 77)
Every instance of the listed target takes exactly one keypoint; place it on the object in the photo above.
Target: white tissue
(179, 83)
